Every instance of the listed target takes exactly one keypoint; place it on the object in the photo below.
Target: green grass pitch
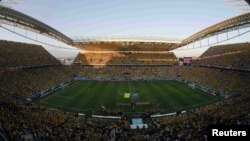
(84, 96)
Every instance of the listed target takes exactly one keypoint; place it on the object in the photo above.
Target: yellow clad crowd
(22, 120)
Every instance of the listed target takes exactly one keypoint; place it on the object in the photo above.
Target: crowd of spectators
(226, 81)
(119, 46)
(22, 120)
(126, 72)
(14, 54)
(27, 68)
(128, 58)
(229, 56)
(24, 82)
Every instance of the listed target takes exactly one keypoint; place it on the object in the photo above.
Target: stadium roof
(12, 17)
(240, 21)
(15, 18)
(126, 39)
(242, 5)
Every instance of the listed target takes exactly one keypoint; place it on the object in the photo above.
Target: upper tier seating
(127, 47)
(118, 58)
(232, 56)
(14, 54)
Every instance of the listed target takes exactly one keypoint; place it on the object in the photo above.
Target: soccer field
(84, 96)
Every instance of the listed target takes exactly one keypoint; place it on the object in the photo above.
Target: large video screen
(187, 60)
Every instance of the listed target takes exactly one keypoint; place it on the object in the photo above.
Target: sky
(156, 18)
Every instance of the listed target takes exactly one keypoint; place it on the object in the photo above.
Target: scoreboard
(187, 60)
